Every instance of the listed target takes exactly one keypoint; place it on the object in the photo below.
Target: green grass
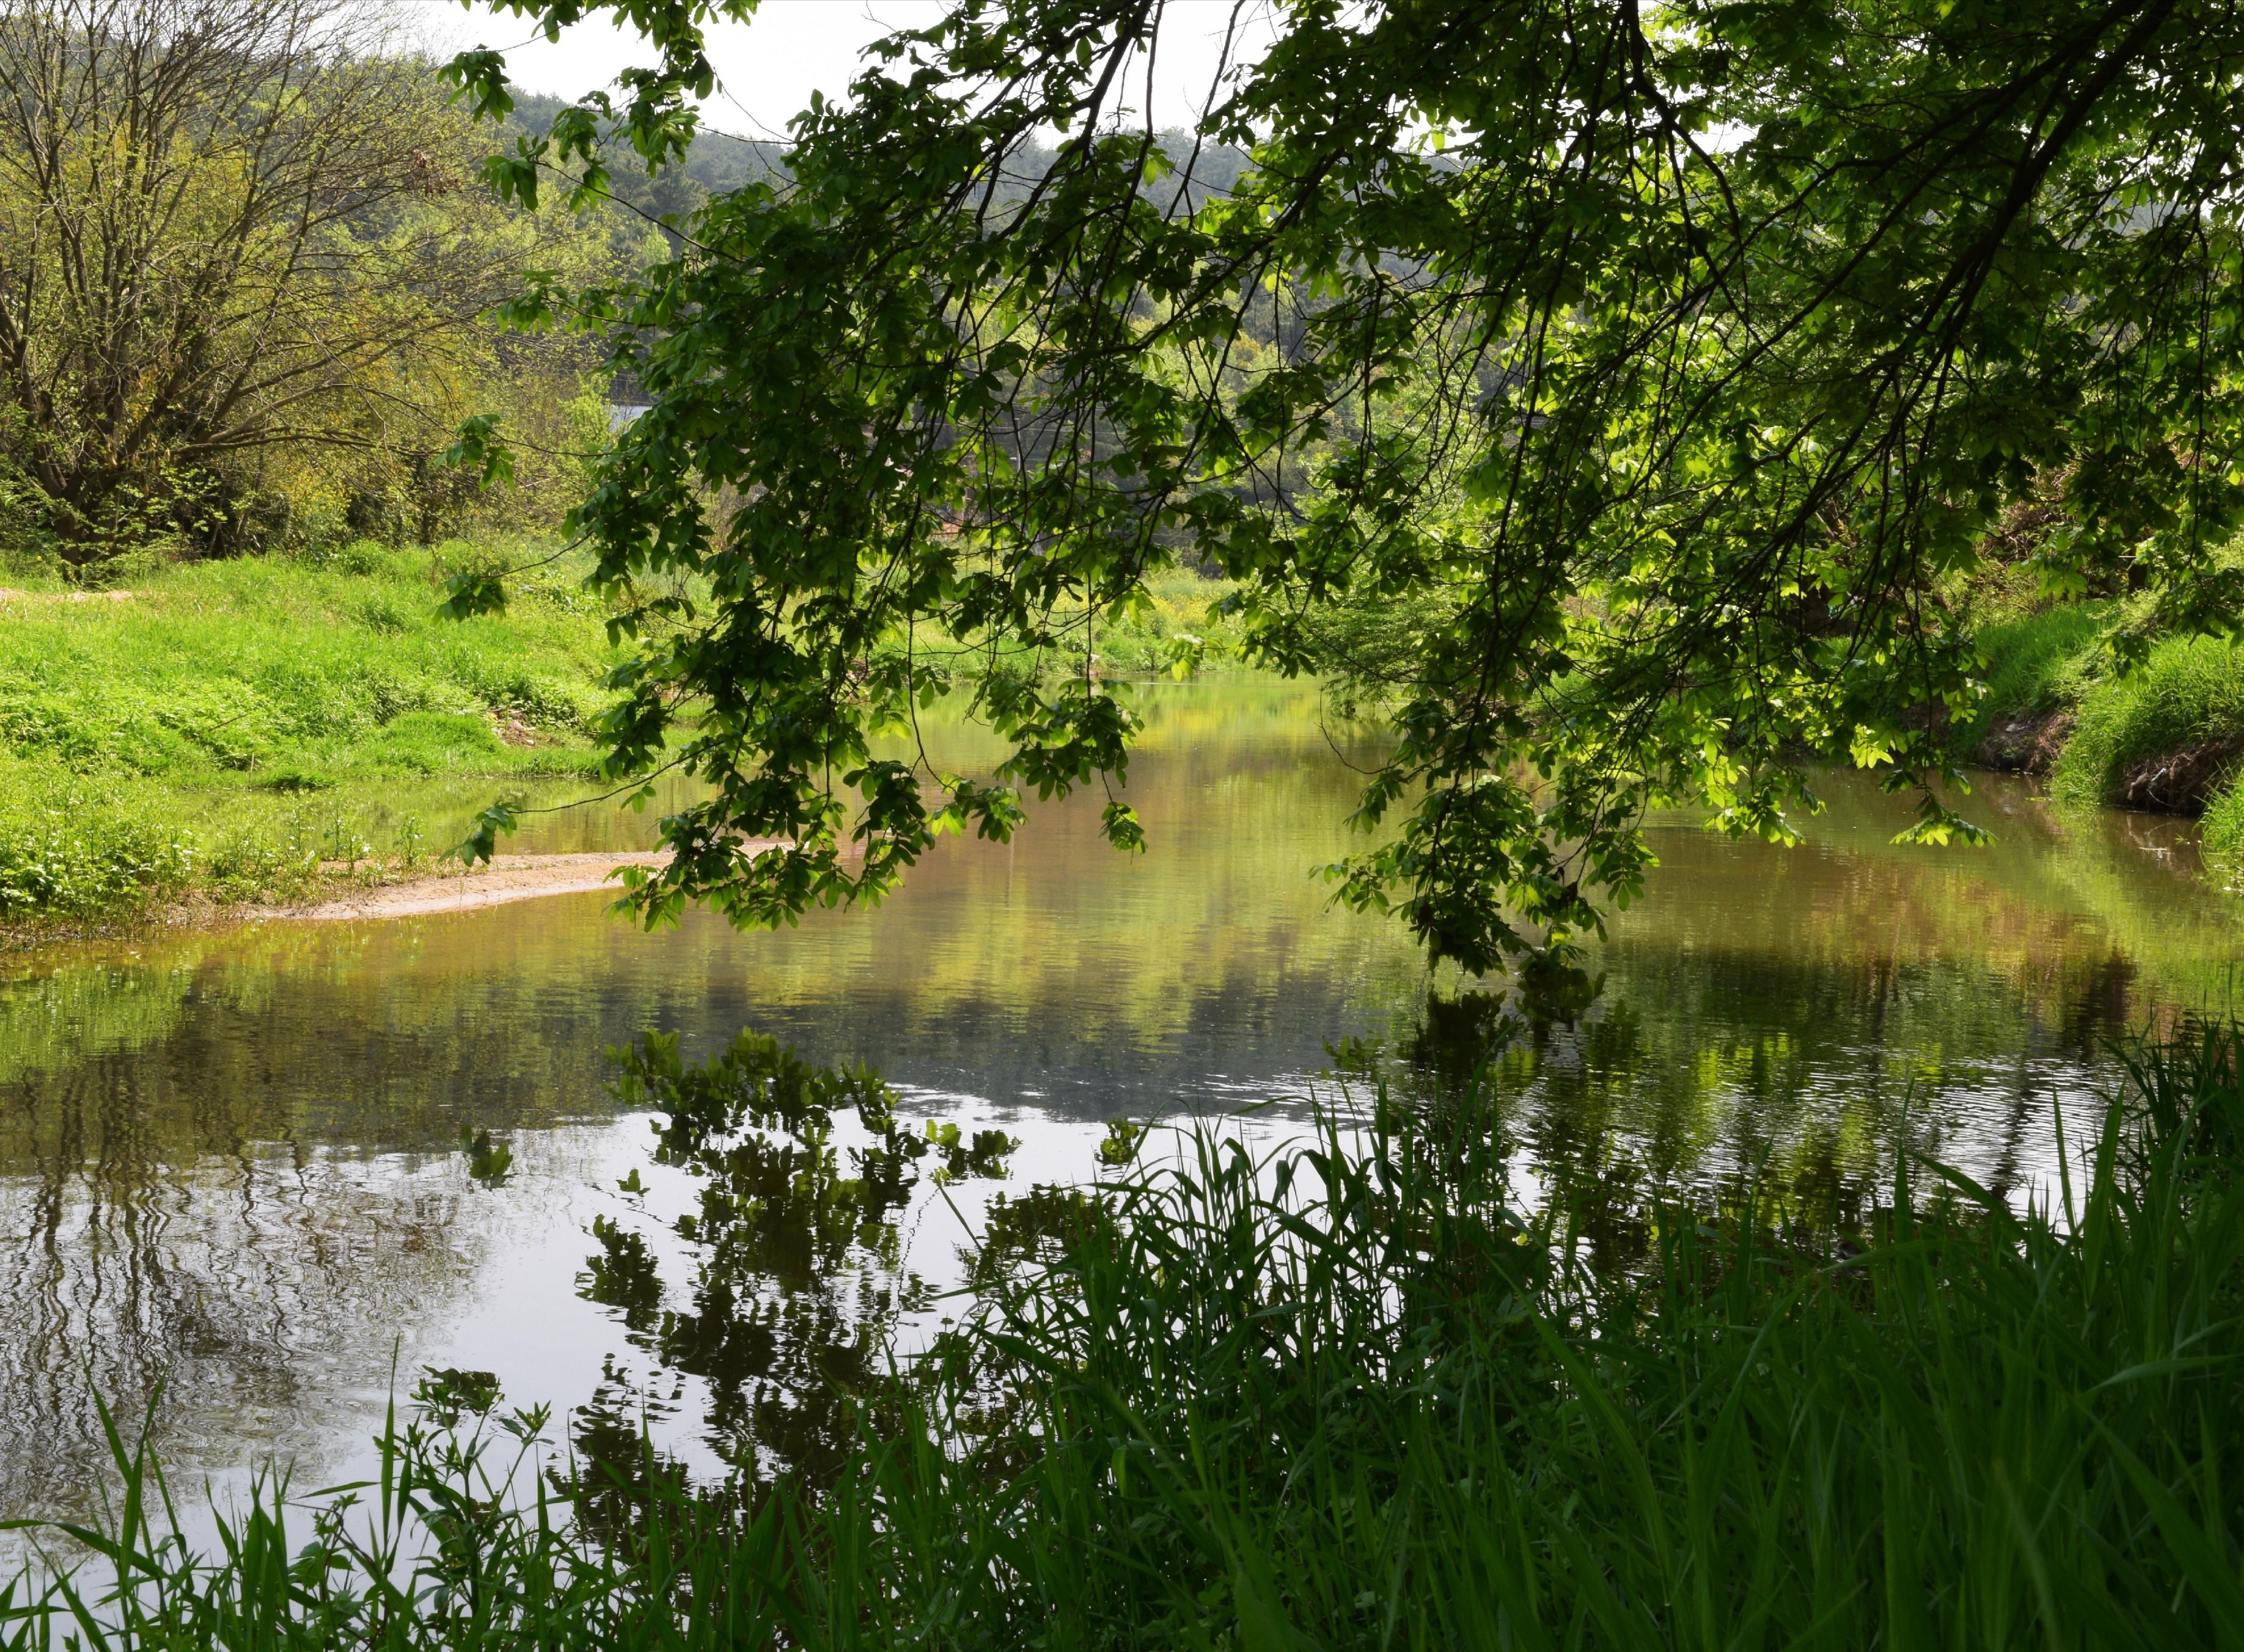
(278, 672)
(167, 742)
(1349, 1395)
(2037, 662)
(2189, 691)
(2221, 830)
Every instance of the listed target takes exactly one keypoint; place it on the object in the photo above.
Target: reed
(1348, 1393)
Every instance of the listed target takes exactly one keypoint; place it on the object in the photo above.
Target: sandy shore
(509, 877)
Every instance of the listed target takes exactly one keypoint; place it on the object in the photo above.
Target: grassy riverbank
(216, 731)
(1351, 1396)
(2168, 735)
(226, 728)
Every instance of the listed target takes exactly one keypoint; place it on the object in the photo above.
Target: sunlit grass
(283, 672)
(204, 733)
(2189, 691)
(2036, 661)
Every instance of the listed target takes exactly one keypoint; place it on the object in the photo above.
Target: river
(232, 1160)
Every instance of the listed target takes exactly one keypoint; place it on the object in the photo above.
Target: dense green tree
(1663, 364)
(244, 261)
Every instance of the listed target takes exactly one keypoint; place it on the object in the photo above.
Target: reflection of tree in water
(147, 1238)
(799, 1275)
(2097, 1000)
(1721, 1076)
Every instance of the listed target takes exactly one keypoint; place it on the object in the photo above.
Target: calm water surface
(231, 1163)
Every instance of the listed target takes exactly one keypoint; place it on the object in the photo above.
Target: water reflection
(208, 1260)
(1794, 1016)
(800, 1269)
(256, 1162)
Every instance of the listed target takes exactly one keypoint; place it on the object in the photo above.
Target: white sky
(767, 68)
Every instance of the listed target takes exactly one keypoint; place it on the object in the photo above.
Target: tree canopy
(243, 260)
(1662, 363)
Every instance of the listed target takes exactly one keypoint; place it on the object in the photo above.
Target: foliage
(715, 163)
(1179, 628)
(243, 266)
(1368, 649)
(1349, 1394)
(81, 869)
(1680, 358)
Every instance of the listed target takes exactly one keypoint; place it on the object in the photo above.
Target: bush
(72, 870)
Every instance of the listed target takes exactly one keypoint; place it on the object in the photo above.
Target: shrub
(89, 869)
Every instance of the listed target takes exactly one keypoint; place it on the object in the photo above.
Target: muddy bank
(2178, 782)
(2025, 744)
(2181, 782)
